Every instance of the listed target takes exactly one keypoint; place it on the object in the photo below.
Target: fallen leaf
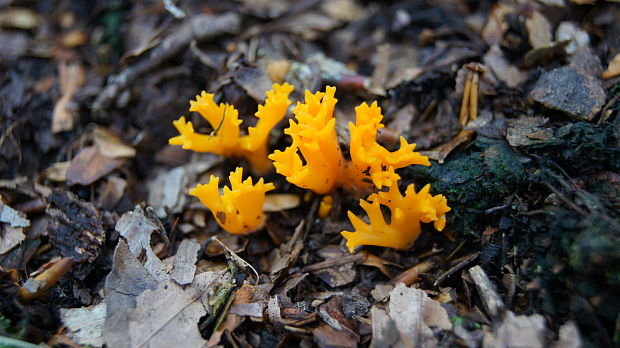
(124, 283)
(529, 331)
(85, 324)
(13, 217)
(58, 171)
(137, 228)
(338, 275)
(276, 202)
(110, 145)
(254, 81)
(414, 313)
(168, 191)
(169, 314)
(494, 59)
(539, 30)
(343, 10)
(442, 152)
(112, 193)
(71, 78)
(185, 262)
(89, 165)
(286, 255)
(327, 336)
(19, 18)
(74, 38)
(613, 69)
(384, 333)
(10, 237)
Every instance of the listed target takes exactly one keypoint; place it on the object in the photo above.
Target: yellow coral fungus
(314, 136)
(372, 159)
(315, 140)
(239, 210)
(225, 139)
(406, 214)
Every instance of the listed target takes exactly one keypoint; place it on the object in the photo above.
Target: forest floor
(515, 103)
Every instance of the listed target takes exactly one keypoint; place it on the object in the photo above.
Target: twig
(201, 27)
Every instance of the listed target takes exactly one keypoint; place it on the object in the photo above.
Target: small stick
(217, 129)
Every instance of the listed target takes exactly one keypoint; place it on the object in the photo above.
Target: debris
(528, 331)
(13, 217)
(109, 145)
(10, 237)
(168, 191)
(126, 281)
(570, 91)
(539, 30)
(528, 130)
(71, 78)
(490, 299)
(276, 202)
(613, 69)
(415, 315)
(90, 165)
(384, 332)
(506, 72)
(75, 229)
(85, 324)
(137, 226)
(185, 262)
(163, 315)
(570, 31)
(35, 287)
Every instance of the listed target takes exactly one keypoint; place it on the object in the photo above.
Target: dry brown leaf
(19, 18)
(613, 69)
(276, 202)
(440, 153)
(74, 38)
(327, 336)
(343, 10)
(89, 165)
(168, 315)
(71, 78)
(112, 192)
(110, 145)
(496, 24)
(494, 59)
(539, 30)
(168, 191)
(58, 171)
